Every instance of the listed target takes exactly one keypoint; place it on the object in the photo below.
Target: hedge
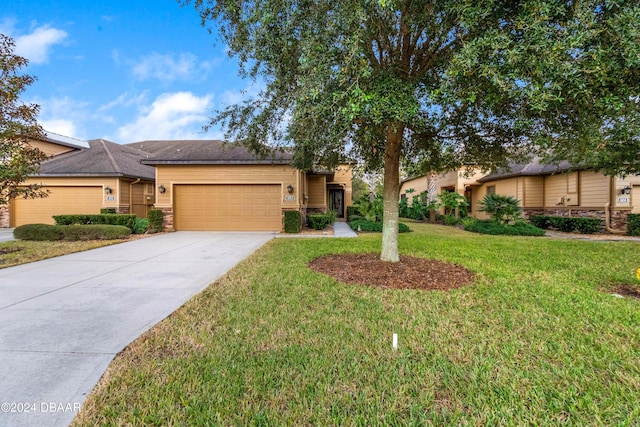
(540, 221)
(567, 224)
(127, 220)
(292, 221)
(633, 224)
(520, 228)
(155, 219)
(318, 221)
(46, 232)
(364, 225)
(352, 210)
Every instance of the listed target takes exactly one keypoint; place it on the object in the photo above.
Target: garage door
(227, 207)
(61, 200)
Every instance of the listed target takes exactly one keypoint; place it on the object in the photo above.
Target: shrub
(74, 232)
(318, 221)
(292, 221)
(564, 224)
(365, 225)
(352, 210)
(468, 222)
(450, 201)
(125, 220)
(371, 209)
(519, 228)
(39, 232)
(141, 226)
(450, 220)
(588, 225)
(107, 211)
(331, 216)
(633, 224)
(155, 219)
(502, 209)
(94, 232)
(540, 221)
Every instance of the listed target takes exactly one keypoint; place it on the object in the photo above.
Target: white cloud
(36, 46)
(64, 116)
(60, 126)
(229, 97)
(171, 67)
(177, 115)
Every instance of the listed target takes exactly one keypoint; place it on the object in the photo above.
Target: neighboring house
(550, 190)
(209, 185)
(82, 178)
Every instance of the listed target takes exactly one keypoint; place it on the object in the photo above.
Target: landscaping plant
(502, 209)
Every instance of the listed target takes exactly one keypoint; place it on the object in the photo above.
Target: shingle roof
(102, 158)
(532, 168)
(204, 152)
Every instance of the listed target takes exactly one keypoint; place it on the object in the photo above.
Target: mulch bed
(409, 273)
(627, 290)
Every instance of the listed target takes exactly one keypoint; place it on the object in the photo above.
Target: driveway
(62, 320)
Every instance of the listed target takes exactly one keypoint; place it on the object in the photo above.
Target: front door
(336, 202)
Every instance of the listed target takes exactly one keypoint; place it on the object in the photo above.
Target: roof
(101, 158)
(204, 152)
(65, 140)
(532, 168)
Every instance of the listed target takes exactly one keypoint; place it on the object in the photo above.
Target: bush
(450, 220)
(588, 225)
(540, 221)
(564, 224)
(365, 225)
(502, 209)
(107, 211)
(125, 220)
(39, 232)
(318, 221)
(155, 219)
(519, 228)
(292, 221)
(94, 232)
(141, 226)
(467, 221)
(352, 210)
(633, 224)
(42, 232)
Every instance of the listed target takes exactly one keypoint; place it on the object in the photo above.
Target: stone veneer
(167, 218)
(618, 217)
(4, 216)
(122, 210)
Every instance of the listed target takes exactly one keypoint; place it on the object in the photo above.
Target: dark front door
(336, 202)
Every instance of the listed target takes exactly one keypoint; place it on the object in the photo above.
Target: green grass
(535, 341)
(18, 252)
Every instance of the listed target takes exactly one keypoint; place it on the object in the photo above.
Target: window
(491, 190)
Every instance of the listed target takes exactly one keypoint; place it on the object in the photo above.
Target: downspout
(607, 221)
(131, 194)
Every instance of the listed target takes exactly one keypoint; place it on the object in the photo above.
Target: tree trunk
(391, 185)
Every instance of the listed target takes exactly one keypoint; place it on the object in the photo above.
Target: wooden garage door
(227, 207)
(61, 200)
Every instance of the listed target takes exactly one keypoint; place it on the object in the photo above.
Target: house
(546, 189)
(210, 185)
(82, 177)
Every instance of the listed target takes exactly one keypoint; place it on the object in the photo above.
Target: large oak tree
(18, 124)
(451, 82)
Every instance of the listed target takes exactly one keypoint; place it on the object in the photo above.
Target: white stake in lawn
(395, 341)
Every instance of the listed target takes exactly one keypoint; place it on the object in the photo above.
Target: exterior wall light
(626, 190)
(108, 190)
(162, 189)
(290, 189)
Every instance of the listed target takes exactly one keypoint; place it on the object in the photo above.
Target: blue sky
(122, 70)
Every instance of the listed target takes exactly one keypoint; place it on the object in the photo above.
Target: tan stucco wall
(316, 192)
(284, 175)
(343, 176)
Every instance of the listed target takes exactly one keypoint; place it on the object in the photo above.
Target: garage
(228, 207)
(61, 200)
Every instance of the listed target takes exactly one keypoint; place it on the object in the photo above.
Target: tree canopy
(18, 160)
(448, 82)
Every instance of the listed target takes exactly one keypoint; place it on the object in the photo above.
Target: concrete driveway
(63, 320)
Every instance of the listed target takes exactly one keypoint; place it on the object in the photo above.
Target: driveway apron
(63, 320)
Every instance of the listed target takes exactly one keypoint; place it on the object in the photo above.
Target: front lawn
(16, 252)
(535, 341)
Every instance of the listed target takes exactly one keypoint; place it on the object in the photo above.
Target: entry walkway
(64, 319)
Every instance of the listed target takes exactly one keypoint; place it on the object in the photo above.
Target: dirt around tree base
(625, 290)
(409, 273)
